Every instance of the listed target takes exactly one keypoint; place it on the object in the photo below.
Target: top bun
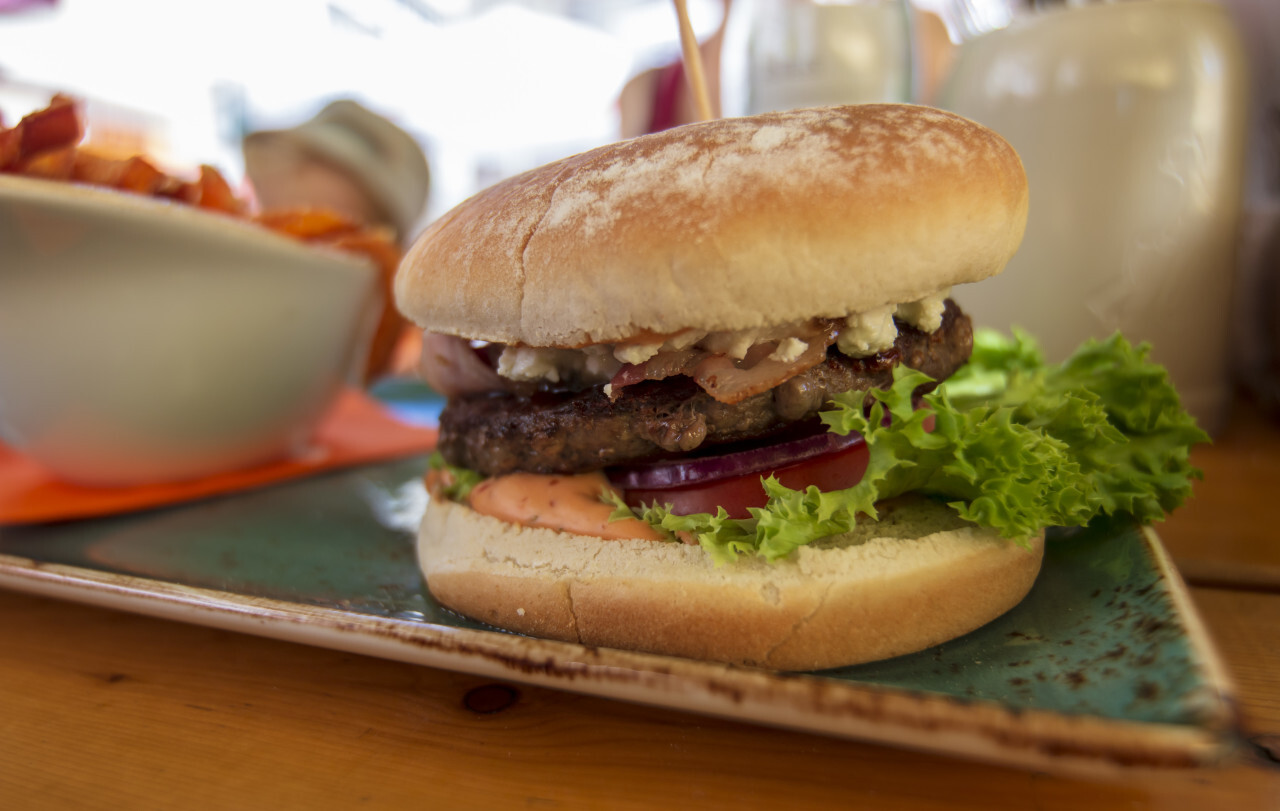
(723, 225)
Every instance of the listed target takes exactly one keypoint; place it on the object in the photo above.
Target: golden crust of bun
(723, 225)
(914, 579)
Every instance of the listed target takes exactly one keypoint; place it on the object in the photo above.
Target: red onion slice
(686, 472)
(451, 366)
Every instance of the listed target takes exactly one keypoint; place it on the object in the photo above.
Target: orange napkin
(357, 431)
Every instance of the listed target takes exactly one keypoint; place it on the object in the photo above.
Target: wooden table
(100, 709)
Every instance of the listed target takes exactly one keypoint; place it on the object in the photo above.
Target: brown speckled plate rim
(974, 729)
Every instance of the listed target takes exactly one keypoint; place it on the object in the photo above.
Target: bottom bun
(916, 577)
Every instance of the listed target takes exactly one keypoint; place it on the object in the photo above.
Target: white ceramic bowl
(148, 341)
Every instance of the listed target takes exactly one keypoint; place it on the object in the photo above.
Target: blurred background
(488, 87)
(1150, 128)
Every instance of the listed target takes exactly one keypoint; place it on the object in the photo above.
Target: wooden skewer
(693, 62)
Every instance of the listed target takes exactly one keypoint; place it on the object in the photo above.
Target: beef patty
(571, 432)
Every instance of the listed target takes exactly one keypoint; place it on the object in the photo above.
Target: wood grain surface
(110, 710)
(102, 709)
(1226, 534)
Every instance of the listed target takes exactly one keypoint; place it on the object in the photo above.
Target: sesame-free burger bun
(916, 578)
(723, 225)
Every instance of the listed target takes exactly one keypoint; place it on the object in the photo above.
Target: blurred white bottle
(784, 54)
(1131, 120)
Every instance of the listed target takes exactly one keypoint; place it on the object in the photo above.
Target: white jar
(1131, 120)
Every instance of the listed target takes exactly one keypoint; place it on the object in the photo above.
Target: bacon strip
(662, 365)
(726, 379)
(730, 381)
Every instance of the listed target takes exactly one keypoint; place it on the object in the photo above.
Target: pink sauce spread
(565, 503)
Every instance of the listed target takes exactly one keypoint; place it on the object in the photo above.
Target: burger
(694, 404)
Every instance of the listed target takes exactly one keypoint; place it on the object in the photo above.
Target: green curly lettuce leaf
(459, 481)
(1136, 452)
(1017, 445)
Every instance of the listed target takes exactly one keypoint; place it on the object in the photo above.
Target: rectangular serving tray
(1104, 667)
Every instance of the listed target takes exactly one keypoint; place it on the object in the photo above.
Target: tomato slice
(832, 471)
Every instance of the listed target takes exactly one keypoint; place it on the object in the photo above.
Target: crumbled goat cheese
(734, 344)
(874, 331)
(636, 353)
(868, 333)
(924, 314)
(861, 335)
(592, 363)
(788, 350)
(527, 363)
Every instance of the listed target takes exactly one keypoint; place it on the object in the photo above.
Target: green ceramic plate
(1104, 665)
